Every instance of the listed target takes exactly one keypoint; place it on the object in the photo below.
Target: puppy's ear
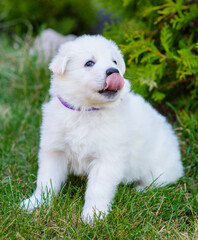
(59, 62)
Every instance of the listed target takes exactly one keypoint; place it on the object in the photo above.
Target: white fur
(126, 141)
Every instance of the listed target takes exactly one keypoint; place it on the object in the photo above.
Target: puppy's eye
(89, 64)
(115, 62)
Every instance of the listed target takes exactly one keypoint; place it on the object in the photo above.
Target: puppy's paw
(30, 203)
(142, 188)
(139, 188)
(38, 199)
(89, 214)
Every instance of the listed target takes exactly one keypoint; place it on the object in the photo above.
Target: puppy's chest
(80, 147)
(77, 140)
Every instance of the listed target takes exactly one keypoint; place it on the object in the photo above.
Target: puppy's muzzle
(114, 82)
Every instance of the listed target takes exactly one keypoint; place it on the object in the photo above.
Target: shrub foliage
(158, 39)
(65, 16)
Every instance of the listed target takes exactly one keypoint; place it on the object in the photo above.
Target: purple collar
(67, 105)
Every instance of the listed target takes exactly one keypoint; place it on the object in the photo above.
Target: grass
(166, 213)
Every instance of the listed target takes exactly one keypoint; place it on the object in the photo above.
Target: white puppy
(93, 125)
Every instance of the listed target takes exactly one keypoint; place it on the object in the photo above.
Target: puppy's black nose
(111, 70)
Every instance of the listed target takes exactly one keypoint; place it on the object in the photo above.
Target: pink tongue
(114, 82)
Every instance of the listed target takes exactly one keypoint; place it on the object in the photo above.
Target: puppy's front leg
(51, 174)
(102, 182)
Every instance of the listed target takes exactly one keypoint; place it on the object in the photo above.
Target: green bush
(65, 16)
(158, 39)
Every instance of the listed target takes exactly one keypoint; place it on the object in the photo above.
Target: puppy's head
(88, 72)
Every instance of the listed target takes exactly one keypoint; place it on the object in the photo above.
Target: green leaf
(166, 37)
(158, 96)
(181, 20)
(188, 59)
